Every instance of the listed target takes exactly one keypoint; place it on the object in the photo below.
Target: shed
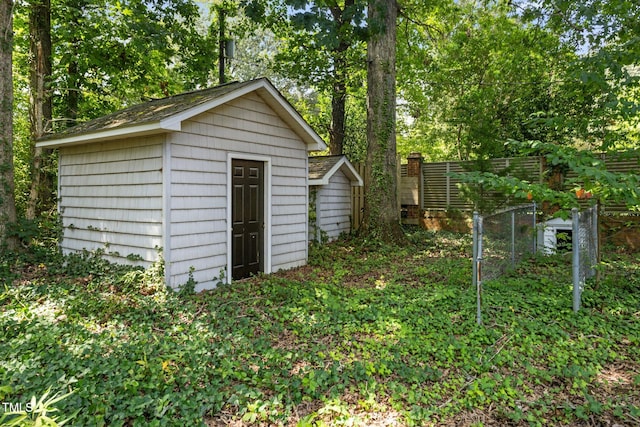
(330, 182)
(214, 181)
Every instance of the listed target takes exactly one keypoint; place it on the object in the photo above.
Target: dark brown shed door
(248, 217)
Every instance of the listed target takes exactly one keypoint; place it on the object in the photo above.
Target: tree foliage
(105, 55)
(562, 75)
(582, 178)
(322, 48)
(110, 54)
(471, 75)
(603, 81)
(474, 75)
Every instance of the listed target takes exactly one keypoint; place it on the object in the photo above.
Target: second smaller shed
(330, 182)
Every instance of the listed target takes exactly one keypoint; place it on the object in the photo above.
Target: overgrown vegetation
(366, 334)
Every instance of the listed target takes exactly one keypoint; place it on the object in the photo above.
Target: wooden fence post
(357, 200)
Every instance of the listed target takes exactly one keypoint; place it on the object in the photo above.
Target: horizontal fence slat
(441, 192)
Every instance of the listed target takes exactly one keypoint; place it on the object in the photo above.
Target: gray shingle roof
(322, 168)
(167, 115)
(319, 166)
(151, 111)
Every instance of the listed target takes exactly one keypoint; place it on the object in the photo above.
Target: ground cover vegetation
(366, 334)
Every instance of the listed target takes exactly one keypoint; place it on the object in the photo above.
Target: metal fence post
(477, 264)
(595, 258)
(474, 248)
(535, 229)
(575, 247)
(513, 239)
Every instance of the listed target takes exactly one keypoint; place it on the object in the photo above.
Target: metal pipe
(575, 247)
(221, 45)
(513, 239)
(477, 264)
(535, 228)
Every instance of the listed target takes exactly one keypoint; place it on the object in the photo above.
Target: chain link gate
(500, 241)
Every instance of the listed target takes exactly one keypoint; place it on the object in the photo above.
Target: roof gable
(168, 114)
(322, 168)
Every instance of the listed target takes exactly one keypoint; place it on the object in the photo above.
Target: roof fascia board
(174, 122)
(313, 141)
(327, 176)
(103, 135)
(356, 180)
(348, 169)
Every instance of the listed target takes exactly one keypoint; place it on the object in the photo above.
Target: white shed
(214, 180)
(330, 182)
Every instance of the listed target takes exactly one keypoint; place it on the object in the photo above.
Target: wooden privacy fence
(442, 192)
(428, 187)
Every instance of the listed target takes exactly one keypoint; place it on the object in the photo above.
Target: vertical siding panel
(334, 204)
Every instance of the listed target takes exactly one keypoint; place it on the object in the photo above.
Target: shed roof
(167, 114)
(322, 168)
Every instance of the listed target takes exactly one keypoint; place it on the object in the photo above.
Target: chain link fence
(500, 241)
(584, 250)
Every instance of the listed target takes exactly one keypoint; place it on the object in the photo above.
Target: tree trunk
(338, 101)
(381, 212)
(7, 196)
(73, 94)
(40, 197)
(71, 99)
(340, 70)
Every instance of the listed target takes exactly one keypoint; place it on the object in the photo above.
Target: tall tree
(40, 107)
(381, 211)
(7, 196)
(322, 46)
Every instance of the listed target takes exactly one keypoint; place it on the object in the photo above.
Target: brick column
(414, 166)
(414, 163)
